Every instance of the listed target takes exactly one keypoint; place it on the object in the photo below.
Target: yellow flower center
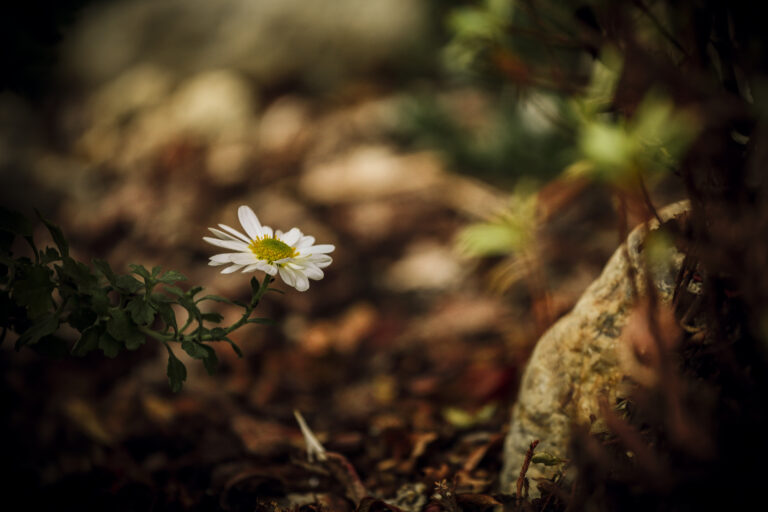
(271, 249)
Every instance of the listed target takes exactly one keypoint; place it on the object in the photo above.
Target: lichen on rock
(577, 364)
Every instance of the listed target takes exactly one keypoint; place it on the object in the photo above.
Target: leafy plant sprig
(112, 312)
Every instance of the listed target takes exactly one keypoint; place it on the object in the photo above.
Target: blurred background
(457, 166)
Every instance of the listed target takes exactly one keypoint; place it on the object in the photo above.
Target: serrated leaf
(109, 345)
(76, 273)
(171, 276)
(177, 372)
(140, 270)
(142, 313)
(103, 267)
(42, 326)
(175, 290)
(56, 234)
(33, 290)
(128, 283)
(99, 300)
(156, 270)
(194, 349)
(88, 341)
(194, 291)
(120, 327)
(82, 315)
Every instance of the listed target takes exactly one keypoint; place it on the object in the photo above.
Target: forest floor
(403, 359)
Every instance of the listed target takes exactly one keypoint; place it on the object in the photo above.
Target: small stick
(524, 469)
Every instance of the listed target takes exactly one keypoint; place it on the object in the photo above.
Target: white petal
(316, 249)
(292, 236)
(267, 231)
(270, 269)
(252, 267)
(242, 258)
(320, 260)
(227, 244)
(234, 232)
(287, 276)
(302, 283)
(313, 273)
(250, 222)
(223, 235)
(221, 259)
(232, 268)
(307, 268)
(305, 241)
(217, 263)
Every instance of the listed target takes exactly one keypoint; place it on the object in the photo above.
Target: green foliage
(112, 312)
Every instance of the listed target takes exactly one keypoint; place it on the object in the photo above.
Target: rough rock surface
(575, 363)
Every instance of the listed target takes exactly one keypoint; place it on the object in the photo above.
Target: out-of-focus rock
(370, 172)
(282, 125)
(575, 364)
(270, 40)
(426, 266)
(213, 104)
(140, 111)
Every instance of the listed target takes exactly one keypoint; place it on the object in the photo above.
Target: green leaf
(103, 267)
(141, 311)
(171, 276)
(267, 321)
(174, 290)
(212, 317)
(121, 328)
(56, 234)
(128, 284)
(109, 345)
(177, 372)
(43, 326)
(211, 362)
(140, 270)
(88, 341)
(216, 298)
(194, 349)
(234, 346)
(33, 290)
(156, 271)
(184, 301)
(82, 316)
(218, 333)
(194, 291)
(49, 256)
(168, 315)
(77, 273)
(99, 300)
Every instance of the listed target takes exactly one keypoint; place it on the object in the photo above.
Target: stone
(577, 363)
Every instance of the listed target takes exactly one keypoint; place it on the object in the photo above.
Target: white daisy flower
(290, 254)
